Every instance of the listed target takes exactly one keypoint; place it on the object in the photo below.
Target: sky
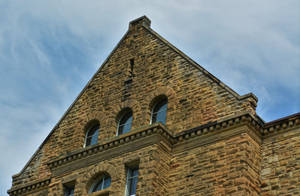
(49, 50)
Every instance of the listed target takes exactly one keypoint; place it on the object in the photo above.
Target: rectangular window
(132, 179)
(69, 189)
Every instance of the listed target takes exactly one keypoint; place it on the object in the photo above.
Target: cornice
(156, 128)
(281, 125)
(29, 187)
(160, 129)
(222, 124)
(261, 129)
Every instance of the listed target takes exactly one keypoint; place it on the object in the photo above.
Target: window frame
(130, 170)
(101, 178)
(126, 112)
(87, 132)
(67, 187)
(154, 106)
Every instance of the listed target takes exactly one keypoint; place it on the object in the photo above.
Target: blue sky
(50, 49)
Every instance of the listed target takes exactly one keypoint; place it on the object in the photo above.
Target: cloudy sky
(50, 49)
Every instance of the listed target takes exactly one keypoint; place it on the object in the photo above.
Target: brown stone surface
(280, 174)
(229, 152)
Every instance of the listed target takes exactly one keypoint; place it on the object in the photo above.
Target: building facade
(152, 121)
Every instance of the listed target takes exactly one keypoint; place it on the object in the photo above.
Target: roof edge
(207, 73)
(280, 120)
(71, 106)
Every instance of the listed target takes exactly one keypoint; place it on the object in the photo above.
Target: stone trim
(164, 90)
(29, 187)
(218, 125)
(246, 118)
(199, 67)
(153, 129)
(264, 130)
(119, 140)
(132, 104)
(104, 192)
(88, 178)
(279, 125)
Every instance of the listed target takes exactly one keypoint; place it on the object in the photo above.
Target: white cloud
(49, 49)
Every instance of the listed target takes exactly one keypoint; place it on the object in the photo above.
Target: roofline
(207, 73)
(195, 64)
(107, 59)
(286, 118)
(71, 106)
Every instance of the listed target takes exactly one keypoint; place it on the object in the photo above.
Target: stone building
(151, 121)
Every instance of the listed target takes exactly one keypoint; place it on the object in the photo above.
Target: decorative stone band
(173, 139)
(29, 187)
(285, 123)
(156, 128)
(263, 129)
(219, 125)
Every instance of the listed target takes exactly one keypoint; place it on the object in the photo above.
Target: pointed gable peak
(141, 21)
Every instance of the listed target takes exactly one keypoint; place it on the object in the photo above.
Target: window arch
(92, 135)
(124, 124)
(101, 182)
(159, 110)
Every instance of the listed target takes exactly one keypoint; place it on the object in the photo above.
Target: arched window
(159, 111)
(92, 135)
(125, 122)
(100, 183)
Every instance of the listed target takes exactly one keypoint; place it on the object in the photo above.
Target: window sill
(100, 193)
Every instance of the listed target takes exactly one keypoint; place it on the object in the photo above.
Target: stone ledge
(219, 125)
(104, 192)
(119, 140)
(264, 130)
(29, 187)
(281, 124)
(155, 129)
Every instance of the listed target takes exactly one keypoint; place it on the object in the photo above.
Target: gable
(195, 97)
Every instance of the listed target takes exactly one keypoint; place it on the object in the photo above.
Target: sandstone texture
(213, 142)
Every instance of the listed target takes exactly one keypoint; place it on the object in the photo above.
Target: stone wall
(229, 166)
(142, 67)
(280, 174)
(194, 97)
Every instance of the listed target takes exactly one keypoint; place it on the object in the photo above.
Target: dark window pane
(127, 117)
(95, 138)
(159, 113)
(121, 127)
(98, 186)
(101, 183)
(133, 184)
(127, 127)
(125, 123)
(135, 172)
(88, 141)
(92, 131)
(92, 136)
(154, 116)
(162, 105)
(132, 180)
(69, 190)
(161, 117)
(107, 181)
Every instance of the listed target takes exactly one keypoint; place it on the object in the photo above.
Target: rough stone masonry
(212, 143)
